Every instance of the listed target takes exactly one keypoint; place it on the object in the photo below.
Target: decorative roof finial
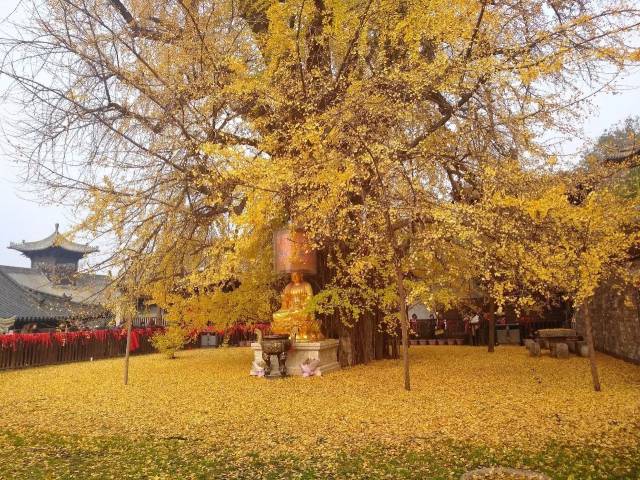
(57, 226)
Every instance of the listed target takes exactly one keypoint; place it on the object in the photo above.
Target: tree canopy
(406, 137)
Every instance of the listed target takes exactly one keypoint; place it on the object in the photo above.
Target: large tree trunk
(592, 351)
(361, 343)
(368, 338)
(492, 328)
(379, 342)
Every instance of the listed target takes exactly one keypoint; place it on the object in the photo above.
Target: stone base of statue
(322, 354)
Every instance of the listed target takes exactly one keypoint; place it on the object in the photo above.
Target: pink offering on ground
(310, 368)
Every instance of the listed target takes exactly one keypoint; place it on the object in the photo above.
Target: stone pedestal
(325, 350)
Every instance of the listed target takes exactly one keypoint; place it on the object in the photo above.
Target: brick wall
(615, 314)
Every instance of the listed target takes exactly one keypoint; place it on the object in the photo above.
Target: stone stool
(582, 349)
(534, 349)
(561, 350)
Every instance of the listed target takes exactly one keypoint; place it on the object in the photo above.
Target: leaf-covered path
(202, 416)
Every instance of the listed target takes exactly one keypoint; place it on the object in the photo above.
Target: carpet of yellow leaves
(461, 395)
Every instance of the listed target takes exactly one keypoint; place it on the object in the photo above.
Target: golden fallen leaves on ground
(505, 400)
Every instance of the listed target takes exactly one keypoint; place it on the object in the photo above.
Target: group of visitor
(475, 322)
(471, 327)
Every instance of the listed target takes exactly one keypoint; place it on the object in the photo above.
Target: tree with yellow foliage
(188, 131)
(541, 237)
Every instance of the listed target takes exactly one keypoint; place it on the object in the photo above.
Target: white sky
(21, 218)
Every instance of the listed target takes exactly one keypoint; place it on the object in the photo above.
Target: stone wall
(615, 314)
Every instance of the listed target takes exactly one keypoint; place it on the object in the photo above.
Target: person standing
(414, 324)
(475, 325)
(439, 325)
(467, 328)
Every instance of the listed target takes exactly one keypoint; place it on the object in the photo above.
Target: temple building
(52, 290)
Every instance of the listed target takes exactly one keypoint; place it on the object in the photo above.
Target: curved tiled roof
(27, 304)
(625, 154)
(87, 288)
(56, 239)
(18, 302)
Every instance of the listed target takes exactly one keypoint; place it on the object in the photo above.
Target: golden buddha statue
(291, 316)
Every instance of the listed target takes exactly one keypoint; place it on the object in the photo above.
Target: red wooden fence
(35, 349)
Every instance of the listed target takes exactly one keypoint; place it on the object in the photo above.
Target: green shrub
(169, 341)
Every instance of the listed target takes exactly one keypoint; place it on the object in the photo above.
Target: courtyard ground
(202, 416)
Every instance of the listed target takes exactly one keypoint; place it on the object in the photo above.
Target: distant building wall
(615, 315)
(59, 266)
(420, 310)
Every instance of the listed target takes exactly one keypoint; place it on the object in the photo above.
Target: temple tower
(55, 256)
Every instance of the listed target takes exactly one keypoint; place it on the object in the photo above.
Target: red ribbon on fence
(12, 340)
(135, 342)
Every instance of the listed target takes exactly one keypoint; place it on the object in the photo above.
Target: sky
(23, 218)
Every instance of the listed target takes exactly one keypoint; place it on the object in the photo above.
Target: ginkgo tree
(549, 239)
(602, 234)
(187, 131)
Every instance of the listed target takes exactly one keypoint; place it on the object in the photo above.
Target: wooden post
(492, 328)
(126, 353)
(588, 327)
